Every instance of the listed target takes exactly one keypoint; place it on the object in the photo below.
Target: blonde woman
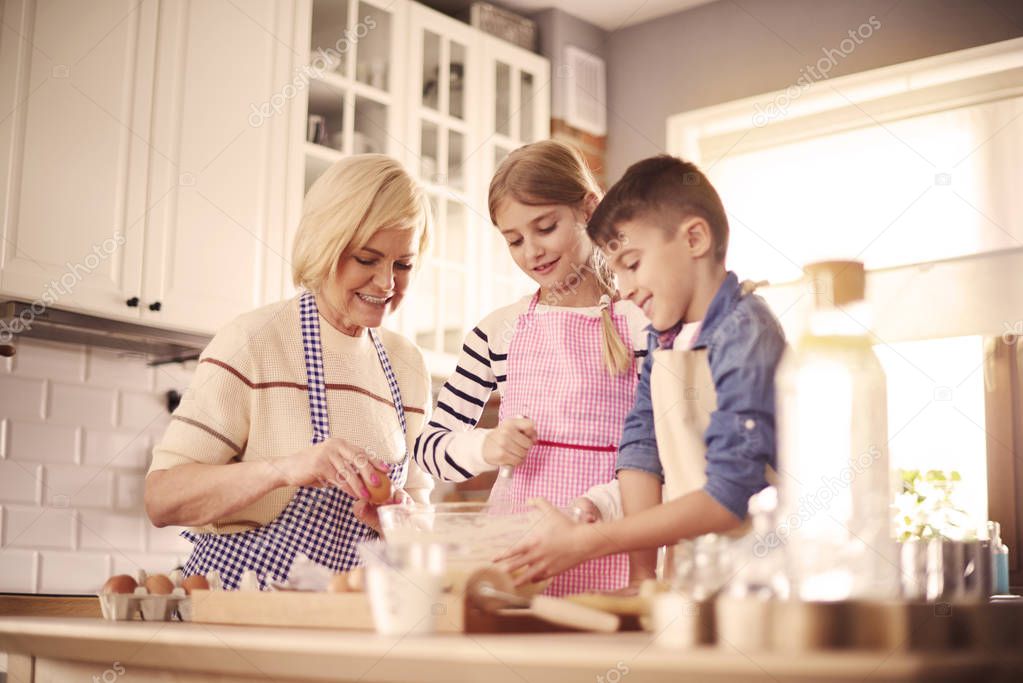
(561, 358)
(297, 407)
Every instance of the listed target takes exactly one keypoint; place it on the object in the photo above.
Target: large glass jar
(835, 494)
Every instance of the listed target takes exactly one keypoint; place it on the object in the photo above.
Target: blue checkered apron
(317, 522)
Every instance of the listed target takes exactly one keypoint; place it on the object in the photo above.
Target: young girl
(562, 359)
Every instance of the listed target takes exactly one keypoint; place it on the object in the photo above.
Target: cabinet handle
(132, 302)
(155, 306)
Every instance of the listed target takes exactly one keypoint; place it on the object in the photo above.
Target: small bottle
(999, 559)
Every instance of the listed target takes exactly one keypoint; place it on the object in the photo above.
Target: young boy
(703, 420)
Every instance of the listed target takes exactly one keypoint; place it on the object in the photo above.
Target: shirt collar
(720, 305)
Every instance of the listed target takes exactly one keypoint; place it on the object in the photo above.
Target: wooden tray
(351, 611)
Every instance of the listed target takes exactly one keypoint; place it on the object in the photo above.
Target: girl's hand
(557, 544)
(584, 511)
(366, 512)
(332, 462)
(509, 442)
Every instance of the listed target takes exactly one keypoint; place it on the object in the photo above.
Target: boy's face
(655, 269)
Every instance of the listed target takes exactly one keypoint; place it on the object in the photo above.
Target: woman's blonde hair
(552, 172)
(347, 205)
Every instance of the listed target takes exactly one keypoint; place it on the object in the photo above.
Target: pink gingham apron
(557, 378)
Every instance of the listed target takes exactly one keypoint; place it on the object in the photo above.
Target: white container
(404, 582)
(677, 621)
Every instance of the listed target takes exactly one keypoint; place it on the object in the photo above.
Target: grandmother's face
(371, 282)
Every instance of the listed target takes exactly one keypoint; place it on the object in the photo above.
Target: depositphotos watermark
(325, 60)
(74, 274)
(816, 502)
(811, 73)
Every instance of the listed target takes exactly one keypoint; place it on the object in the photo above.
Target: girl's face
(370, 282)
(548, 242)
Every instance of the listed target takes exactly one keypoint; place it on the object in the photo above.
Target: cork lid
(836, 283)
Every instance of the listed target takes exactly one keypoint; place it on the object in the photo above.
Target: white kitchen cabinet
(438, 94)
(75, 101)
(145, 155)
(220, 143)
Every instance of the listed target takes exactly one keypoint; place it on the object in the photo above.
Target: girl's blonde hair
(347, 205)
(552, 172)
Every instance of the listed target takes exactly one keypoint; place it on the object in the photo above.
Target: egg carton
(153, 607)
(126, 606)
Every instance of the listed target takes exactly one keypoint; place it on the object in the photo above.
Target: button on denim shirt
(744, 343)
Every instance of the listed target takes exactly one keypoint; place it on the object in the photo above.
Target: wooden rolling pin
(490, 589)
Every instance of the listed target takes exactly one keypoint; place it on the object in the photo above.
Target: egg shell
(158, 584)
(195, 582)
(356, 580)
(121, 583)
(338, 583)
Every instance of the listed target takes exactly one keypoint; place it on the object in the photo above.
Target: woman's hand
(332, 462)
(555, 545)
(509, 442)
(366, 512)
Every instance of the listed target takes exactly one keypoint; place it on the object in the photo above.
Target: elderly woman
(295, 408)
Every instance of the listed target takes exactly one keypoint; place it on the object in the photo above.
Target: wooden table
(59, 649)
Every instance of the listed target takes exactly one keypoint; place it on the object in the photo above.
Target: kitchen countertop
(67, 647)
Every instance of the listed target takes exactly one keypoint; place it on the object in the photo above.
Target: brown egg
(194, 583)
(381, 493)
(158, 584)
(122, 583)
(338, 583)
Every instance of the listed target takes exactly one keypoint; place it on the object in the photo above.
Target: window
(913, 169)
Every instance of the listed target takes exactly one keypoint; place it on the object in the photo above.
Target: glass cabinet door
(517, 112)
(441, 135)
(354, 65)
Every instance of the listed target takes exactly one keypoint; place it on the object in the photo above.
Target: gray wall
(558, 29)
(732, 49)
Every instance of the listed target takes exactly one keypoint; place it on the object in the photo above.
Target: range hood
(18, 320)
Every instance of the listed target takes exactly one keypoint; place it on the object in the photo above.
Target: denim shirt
(744, 343)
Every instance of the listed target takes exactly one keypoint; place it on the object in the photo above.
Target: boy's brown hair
(663, 189)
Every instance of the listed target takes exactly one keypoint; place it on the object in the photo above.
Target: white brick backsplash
(38, 442)
(81, 405)
(110, 368)
(36, 358)
(110, 532)
(78, 572)
(143, 411)
(17, 571)
(38, 527)
(129, 450)
(175, 376)
(152, 563)
(20, 482)
(167, 540)
(21, 398)
(130, 490)
(74, 486)
(82, 422)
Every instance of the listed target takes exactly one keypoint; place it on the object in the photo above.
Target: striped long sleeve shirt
(450, 447)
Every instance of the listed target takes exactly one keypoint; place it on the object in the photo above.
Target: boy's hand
(509, 442)
(557, 544)
(584, 511)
